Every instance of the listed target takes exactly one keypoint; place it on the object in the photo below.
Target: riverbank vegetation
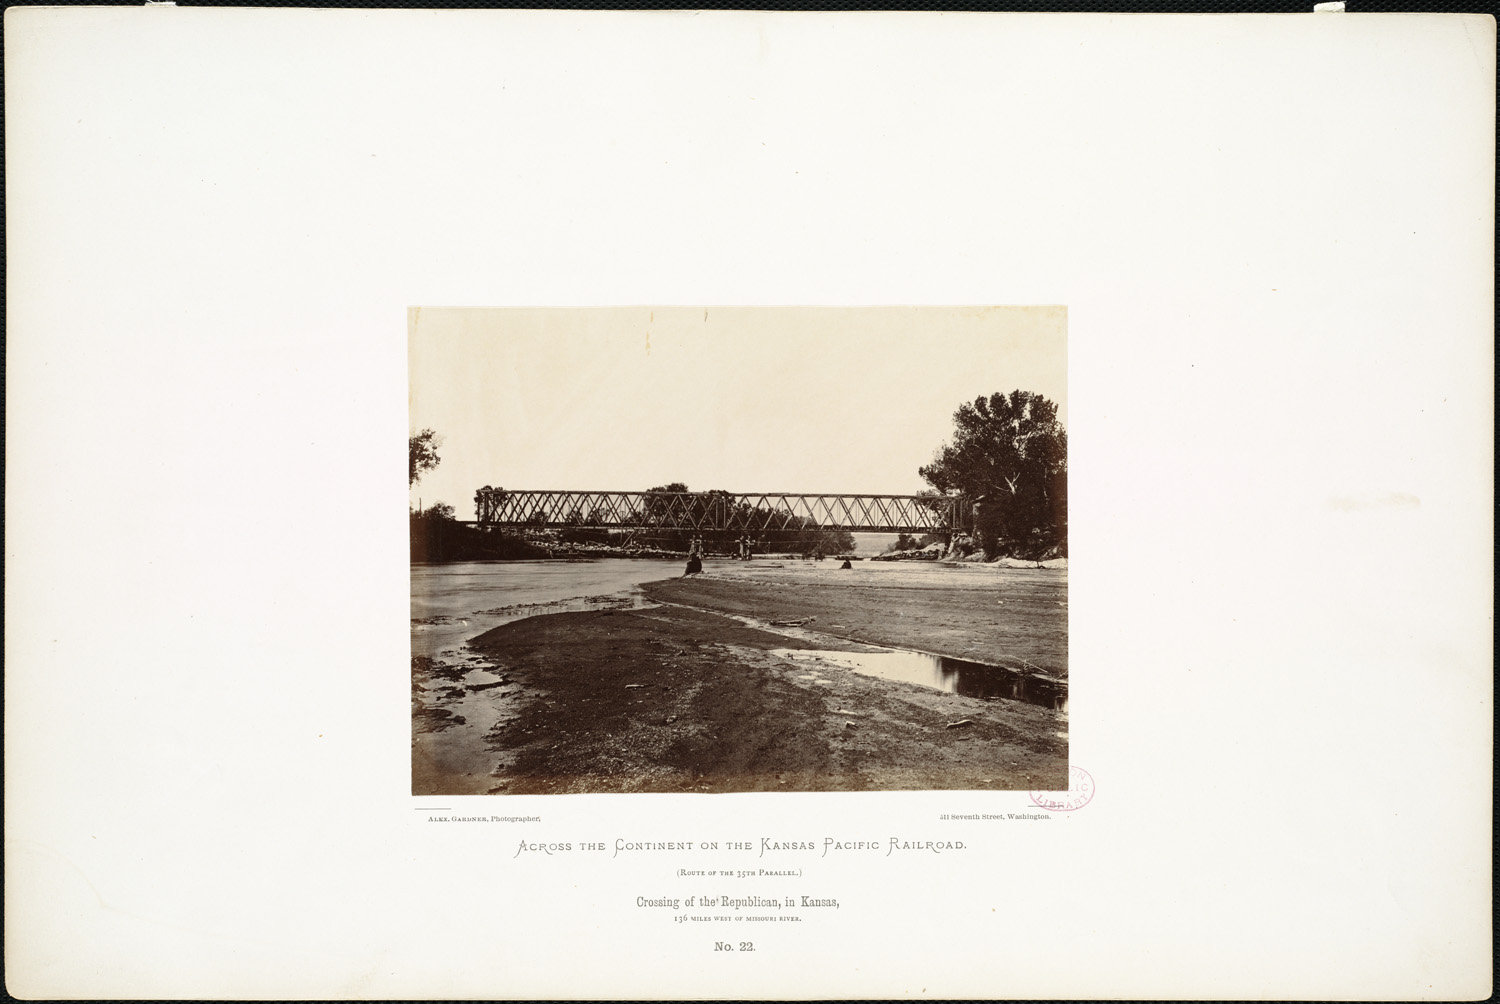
(792, 534)
(1009, 457)
(434, 533)
(437, 536)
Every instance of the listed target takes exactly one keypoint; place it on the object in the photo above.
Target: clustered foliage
(1009, 455)
(422, 455)
(795, 534)
(437, 536)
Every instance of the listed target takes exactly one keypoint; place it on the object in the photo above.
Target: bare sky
(786, 399)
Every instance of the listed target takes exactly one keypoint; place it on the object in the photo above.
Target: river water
(451, 603)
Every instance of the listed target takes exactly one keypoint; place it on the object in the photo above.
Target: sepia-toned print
(693, 549)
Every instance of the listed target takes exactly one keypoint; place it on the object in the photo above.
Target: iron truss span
(750, 512)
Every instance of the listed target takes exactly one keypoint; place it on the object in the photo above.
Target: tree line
(1008, 456)
(660, 507)
(791, 534)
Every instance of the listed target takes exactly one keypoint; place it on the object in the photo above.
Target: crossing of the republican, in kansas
(735, 549)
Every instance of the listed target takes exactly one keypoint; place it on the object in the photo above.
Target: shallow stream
(941, 672)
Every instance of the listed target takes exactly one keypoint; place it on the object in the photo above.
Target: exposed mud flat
(1016, 618)
(674, 699)
(755, 677)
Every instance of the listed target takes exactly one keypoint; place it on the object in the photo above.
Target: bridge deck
(753, 512)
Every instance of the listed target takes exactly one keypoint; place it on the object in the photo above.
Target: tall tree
(1009, 455)
(422, 455)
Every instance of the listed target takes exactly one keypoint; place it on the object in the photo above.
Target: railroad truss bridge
(751, 513)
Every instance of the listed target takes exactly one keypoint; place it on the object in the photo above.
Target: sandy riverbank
(671, 698)
(1016, 617)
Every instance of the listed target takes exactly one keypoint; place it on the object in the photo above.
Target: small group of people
(745, 546)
